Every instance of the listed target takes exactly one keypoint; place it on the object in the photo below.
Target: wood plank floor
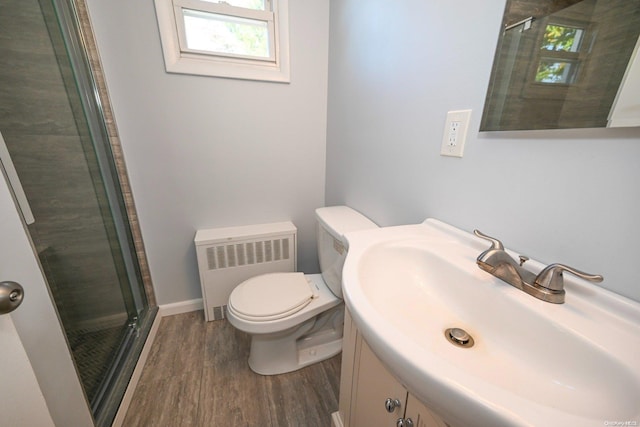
(197, 375)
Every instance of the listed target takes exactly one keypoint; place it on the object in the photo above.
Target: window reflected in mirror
(564, 41)
(561, 38)
(560, 63)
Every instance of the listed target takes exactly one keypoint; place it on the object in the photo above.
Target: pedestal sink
(532, 363)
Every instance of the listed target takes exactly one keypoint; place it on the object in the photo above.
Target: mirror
(564, 64)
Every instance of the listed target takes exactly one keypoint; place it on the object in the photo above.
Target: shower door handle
(11, 296)
(14, 182)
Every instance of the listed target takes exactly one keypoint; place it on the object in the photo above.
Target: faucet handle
(551, 276)
(495, 243)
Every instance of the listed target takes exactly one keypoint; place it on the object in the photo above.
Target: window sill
(227, 68)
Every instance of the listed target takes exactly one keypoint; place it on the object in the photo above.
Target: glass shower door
(57, 142)
(497, 95)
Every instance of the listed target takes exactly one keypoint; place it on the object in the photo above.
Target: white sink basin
(533, 362)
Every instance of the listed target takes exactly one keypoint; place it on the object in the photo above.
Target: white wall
(209, 152)
(396, 68)
(47, 383)
(21, 400)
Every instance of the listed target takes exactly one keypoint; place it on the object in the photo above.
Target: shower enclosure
(54, 130)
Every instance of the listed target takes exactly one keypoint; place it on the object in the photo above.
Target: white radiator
(228, 256)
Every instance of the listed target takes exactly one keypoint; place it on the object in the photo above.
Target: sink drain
(459, 337)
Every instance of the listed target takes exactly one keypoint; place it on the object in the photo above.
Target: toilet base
(317, 339)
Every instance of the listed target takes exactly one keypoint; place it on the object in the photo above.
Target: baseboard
(137, 373)
(336, 420)
(181, 307)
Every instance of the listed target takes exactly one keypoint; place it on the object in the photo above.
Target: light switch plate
(455, 133)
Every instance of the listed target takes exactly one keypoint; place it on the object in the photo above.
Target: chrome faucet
(548, 285)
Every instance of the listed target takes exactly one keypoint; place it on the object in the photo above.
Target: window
(559, 61)
(556, 71)
(560, 38)
(244, 39)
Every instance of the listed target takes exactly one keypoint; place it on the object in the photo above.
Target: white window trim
(180, 61)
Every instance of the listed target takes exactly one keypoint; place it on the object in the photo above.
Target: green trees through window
(219, 33)
(559, 38)
(559, 69)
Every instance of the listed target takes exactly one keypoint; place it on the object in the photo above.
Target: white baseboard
(137, 373)
(181, 307)
(336, 420)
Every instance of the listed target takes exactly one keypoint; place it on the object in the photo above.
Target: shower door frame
(87, 48)
(75, 25)
(82, 52)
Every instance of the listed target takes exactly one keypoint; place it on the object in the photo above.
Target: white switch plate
(455, 133)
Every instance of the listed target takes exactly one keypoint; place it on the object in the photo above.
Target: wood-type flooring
(197, 375)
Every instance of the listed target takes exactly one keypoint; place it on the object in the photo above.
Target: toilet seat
(271, 296)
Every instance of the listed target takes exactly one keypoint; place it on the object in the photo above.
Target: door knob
(11, 296)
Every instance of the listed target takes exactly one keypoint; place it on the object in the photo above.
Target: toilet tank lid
(339, 220)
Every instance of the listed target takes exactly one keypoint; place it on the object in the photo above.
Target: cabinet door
(374, 385)
(420, 415)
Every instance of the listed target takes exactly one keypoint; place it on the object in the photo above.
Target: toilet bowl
(278, 342)
(296, 319)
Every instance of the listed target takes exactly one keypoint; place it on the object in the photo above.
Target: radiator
(228, 256)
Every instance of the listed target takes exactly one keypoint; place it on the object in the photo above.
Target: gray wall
(395, 69)
(210, 152)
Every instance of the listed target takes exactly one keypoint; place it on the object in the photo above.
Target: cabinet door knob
(391, 404)
(404, 422)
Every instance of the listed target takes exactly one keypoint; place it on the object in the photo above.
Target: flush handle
(11, 296)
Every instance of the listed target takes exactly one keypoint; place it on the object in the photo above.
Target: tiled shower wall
(58, 170)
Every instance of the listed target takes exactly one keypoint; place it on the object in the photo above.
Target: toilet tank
(332, 224)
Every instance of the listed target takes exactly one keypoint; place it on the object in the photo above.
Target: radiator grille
(239, 254)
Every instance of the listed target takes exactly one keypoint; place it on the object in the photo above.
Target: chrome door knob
(11, 296)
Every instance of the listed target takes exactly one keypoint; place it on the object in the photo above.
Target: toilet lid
(271, 296)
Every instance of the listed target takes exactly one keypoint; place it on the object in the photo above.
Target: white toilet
(296, 319)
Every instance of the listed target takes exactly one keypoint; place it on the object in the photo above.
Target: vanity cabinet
(378, 398)
(420, 415)
(370, 396)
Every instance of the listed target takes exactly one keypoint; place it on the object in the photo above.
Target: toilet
(296, 319)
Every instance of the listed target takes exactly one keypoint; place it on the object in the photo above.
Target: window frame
(579, 60)
(180, 59)
(572, 57)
